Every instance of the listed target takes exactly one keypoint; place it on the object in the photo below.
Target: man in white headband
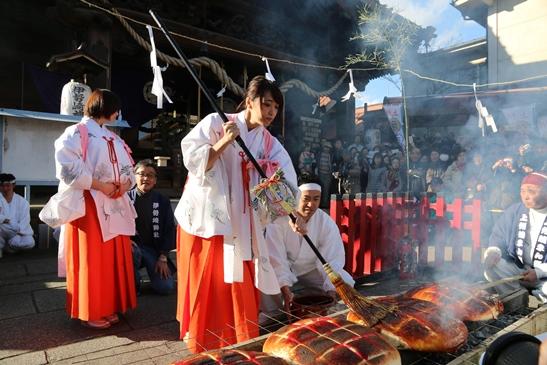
(15, 230)
(293, 260)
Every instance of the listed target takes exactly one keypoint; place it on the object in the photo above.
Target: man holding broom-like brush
(294, 262)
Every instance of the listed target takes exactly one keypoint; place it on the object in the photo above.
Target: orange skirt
(215, 314)
(99, 275)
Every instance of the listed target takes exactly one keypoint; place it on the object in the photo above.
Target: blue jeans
(147, 257)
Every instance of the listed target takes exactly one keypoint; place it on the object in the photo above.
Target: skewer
(228, 344)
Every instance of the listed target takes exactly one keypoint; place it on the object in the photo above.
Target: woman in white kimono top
(96, 163)
(294, 261)
(221, 253)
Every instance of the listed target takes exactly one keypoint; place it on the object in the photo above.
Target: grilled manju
(330, 341)
(419, 326)
(462, 301)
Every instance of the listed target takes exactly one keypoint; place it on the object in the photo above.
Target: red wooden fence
(372, 225)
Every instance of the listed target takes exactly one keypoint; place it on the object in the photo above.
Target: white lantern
(161, 161)
(73, 98)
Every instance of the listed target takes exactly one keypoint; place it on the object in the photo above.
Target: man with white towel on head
(294, 262)
(16, 234)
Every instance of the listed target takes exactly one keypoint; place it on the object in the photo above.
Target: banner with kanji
(394, 113)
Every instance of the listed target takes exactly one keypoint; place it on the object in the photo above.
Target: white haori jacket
(214, 203)
(116, 216)
(291, 256)
(18, 212)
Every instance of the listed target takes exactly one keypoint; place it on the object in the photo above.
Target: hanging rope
(286, 86)
(213, 65)
(475, 86)
(219, 72)
(236, 89)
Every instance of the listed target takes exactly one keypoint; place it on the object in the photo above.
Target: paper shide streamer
(157, 85)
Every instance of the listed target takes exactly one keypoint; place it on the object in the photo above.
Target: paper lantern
(73, 98)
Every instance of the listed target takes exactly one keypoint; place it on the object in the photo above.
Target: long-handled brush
(368, 310)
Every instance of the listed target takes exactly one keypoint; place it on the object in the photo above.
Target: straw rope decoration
(236, 89)
(368, 309)
(215, 67)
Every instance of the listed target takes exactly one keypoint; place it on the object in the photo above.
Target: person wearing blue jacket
(518, 243)
(155, 230)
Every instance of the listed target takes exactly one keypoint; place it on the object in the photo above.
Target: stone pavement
(35, 329)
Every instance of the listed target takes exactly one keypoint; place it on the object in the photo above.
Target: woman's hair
(258, 86)
(101, 103)
(373, 163)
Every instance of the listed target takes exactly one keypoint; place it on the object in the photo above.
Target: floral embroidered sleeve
(279, 154)
(197, 144)
(69, 164)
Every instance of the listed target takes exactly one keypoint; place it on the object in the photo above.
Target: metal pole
(206, 92)
(213, 103)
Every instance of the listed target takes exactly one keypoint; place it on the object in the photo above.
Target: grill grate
(478, 332)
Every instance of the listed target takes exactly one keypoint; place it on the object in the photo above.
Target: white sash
(541, 243)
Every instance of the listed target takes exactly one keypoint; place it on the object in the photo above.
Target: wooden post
(360, 239)
(456, 223)
(474, 225)
(349, 220)
(375, 231)
(336, 209)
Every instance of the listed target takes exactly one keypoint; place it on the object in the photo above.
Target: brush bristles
(370, 311)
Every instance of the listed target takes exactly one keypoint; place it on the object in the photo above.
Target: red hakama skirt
(99, 275)
(215, 314)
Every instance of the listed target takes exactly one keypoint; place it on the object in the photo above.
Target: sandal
(99, 324)
(112, 319)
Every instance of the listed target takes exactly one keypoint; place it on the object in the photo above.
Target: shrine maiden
(221, 253)
(96, 164)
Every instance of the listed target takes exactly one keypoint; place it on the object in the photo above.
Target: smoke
(304, 27)
(309, 31)
(451, 27)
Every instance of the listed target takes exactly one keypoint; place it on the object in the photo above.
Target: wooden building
(48, 42)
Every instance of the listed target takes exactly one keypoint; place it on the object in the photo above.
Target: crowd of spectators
(488, 168)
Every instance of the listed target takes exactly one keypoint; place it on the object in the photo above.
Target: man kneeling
(518, 244)
(294, 262)
(15, 230)
(155, 235)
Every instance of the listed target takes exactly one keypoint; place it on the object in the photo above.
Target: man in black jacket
(155, 230)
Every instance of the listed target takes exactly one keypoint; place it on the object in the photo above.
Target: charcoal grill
(517, 316)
